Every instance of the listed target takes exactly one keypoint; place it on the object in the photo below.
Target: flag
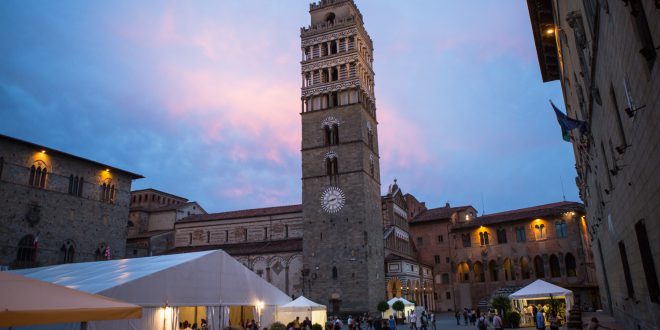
(567, 124)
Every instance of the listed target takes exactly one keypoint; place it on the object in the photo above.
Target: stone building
(341, 206)
(477, 258)
(405, 275)
(58, 207)
(151, 221)
(266, 240)
(431, 228)
(604, 55)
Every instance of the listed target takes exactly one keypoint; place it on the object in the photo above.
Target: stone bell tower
(342, 219)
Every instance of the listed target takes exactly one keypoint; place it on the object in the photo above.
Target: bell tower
(342, 219)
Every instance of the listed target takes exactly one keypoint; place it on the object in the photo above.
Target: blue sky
(203, 97)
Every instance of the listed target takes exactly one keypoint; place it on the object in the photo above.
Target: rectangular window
(520, 234)
(648, 264)
(501, 236)
(437, 259)
(286, 231)
(419, 240)
(445, 278)
(190, 238)
(441, 239)
(626, 270)
(466, 240)
(607, 164)
(435, 295)
(265, 233)
(617, 116)
(226, 236)
(447, 295)
(208, 237)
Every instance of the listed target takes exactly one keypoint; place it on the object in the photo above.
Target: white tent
(170, 287)
(408, 307)
(540, 290)
(302, 307)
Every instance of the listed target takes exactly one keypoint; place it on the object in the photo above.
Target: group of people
(422, 322)
(478, 319)
(297, 325)
(185, 325)
(361, 322)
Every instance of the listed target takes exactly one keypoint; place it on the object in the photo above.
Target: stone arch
(492, 270)
(571, 269)
(538, 267)
(524, 268)
(509, 274)
(463, 272)
(478, 270)
(394, 288)
(554, 266)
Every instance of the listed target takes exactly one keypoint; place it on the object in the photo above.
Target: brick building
(57, 207)
(151, 221)
(604, 55)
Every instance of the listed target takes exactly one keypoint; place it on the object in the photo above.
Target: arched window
(570, 265)
(38, 174)
(27, 251)
(478, 269)
(539, 230)
(370, 139)
(334, 73)
(67, 251)
(524, 268)
(561, 229)
(330, 18)
(334, 273)
(463, 272)
(538, 267)
(492, 269)
(554, 266)
(335, 134)
(509, 274)
(71, 184)
(331, 166)
(483, 238)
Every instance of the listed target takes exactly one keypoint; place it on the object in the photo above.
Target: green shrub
(317, 326)
(277, 326)
(383, 306)
(512, 319)
(502, 304)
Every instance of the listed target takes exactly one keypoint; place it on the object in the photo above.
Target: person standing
(370, 322)
(497, 322)
(391, 323)
(413, 320)
(540, 322)
(465, 315)
(432, 320)
(457, 315)
(481, 323)
(350, 322)
(425, 320)
(552, 319)
(306, 325)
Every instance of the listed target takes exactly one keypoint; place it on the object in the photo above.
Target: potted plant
(512, 319)
(382, 307)
(398, 306)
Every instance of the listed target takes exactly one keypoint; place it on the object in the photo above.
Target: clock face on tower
(332, 199)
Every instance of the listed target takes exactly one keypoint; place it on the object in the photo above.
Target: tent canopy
(208, 278)
(540, 289)
(302, 307)
(404, 301)
(302, 302)
(27, 301)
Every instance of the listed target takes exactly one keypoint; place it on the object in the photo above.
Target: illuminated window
(108, 192)
(38, 174)
(562, 230)
(539, 230)
(483, 238)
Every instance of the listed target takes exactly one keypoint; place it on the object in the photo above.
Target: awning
(26, 301)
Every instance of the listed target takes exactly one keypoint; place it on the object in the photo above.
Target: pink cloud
(401, 143)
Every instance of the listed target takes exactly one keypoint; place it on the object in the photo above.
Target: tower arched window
(554, 266)
(371, 167)
(570, 265)
(370, 139)
(330, 18)
(331, 166)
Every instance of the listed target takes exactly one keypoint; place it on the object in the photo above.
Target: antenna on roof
(563, 195)
(483, 208)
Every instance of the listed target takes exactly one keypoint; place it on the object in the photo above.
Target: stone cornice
(330, 61)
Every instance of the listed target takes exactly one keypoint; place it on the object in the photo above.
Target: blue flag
(567, 124)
